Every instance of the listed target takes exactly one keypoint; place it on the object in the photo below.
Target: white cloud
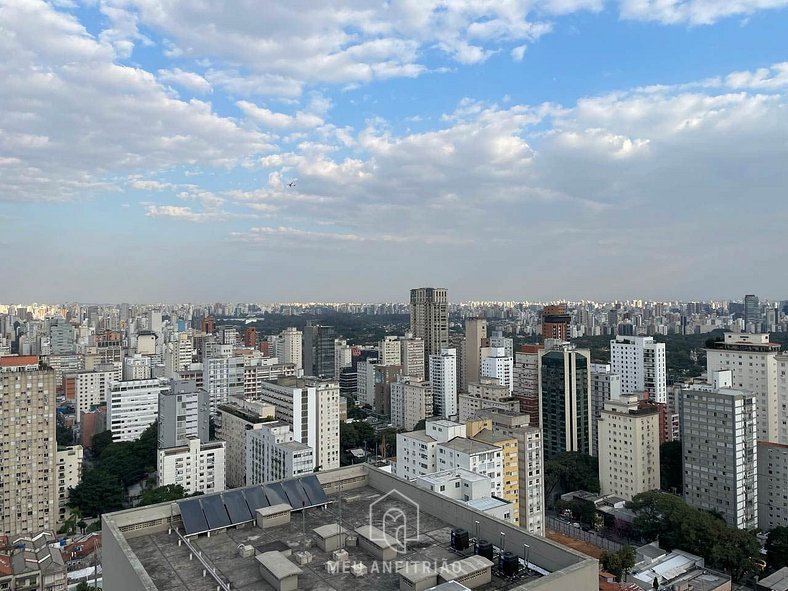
(274, 120)
(188, 80)
(70, 116)
(518, 53)
(187, 214)
(693, 12)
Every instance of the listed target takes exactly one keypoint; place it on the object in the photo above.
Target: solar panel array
(233, 507)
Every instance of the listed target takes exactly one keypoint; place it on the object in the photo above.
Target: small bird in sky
(292, 183)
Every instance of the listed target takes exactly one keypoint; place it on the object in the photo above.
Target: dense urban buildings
(640, 363)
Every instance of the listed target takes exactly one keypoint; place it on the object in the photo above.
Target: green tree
(571, 471)
(671, 467)
(160, 494)
(99, 492)
(618, 563)
(64, 435)
(777, 548)
(100, 442)
(83, 586)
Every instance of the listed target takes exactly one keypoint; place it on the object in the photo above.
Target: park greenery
(570, 471)
(677, 526)
(117, 465)
(777, 548)
(671, 467)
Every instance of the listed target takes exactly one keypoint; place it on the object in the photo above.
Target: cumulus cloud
(271, 119)
(188, 80)
(693, 12)
(70, 115)
(187, 214)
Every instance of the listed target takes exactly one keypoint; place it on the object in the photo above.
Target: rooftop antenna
(303, 526)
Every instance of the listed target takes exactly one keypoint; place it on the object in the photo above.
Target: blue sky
(530, 149)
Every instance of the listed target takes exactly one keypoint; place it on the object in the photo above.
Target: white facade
(496, 364)
(498, 341)
(390, 351)
(311, 406)
(178, 354)
(133, 406)
(223, 375)
(412, 356)
(486, 393)
(443, 375)
(136, 368)
(411, 402)
(273, 455)
(416, 450)
(365, 381)
(719, 448)
(289, 347)
(772, 485)
(197, 467)
(259, 369)
(234, 421)
(69, 475)
(90, 389)
(628, 448)
(343, 356)
(605, 385)
(459, 484)
(753, 361)
(641, 364)
(782, 396)
(475, 456)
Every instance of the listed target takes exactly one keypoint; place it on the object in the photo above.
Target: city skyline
(162, 152)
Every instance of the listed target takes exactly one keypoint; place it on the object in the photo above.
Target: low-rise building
(32, 562)
(69, 475)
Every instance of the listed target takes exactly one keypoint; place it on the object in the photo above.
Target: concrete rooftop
(169, 566)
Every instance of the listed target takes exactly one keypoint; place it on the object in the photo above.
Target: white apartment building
(496, 364)
(390, 351)
(443, 375)
(411, 402)
(234, 421)
(412, 356)
(133, 406)
(273, 455)
(782, 396)
(628, 448)
(69, 475)
(475, 456)
(197, 467)
(485, 393)
(259, 369)
(289, 347)
(146, 343)
(311, 406)
(416, 450)
(365, 381)
(605, 385)
(772, 485)
(719, 449)
(88, 388)
(641, 364)
(136, 367)
(184, 413)
(178, 354)
(498, 341)
(343, 356)
(753, 361)
(223, 374)
(459, 484)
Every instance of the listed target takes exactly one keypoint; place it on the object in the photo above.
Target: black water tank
(484, 548)
(508, 563)
(459, 539)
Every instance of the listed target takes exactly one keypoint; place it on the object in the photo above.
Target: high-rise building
(719, 450)
(178, 354)
(133, 406)
(497, 364)
(28, 447)
(198, 467)
(429, 319)
(235, 420)
(69, 475)
(343, 357)
(289, 347)
(628, 448)
(250, 337)
(530, 460)
(565, 399)
(87, 389)
(525, 381)
(782, 396)
(272, 454)
(311, 406)
(184, 414)
(223, 373)
(390, 351)
(385, 376)
(475, 339)
(752, 314)
(411, 402)
(208, 325)
(412, 356)
(480, 430)
(772, 485)
(365, 381)
(319, 350)
(485, 393)
(61, 337)
(443, 376)
(753, 360)
(605, 386)
(555, 322)
(497, 340)
(641, 364)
